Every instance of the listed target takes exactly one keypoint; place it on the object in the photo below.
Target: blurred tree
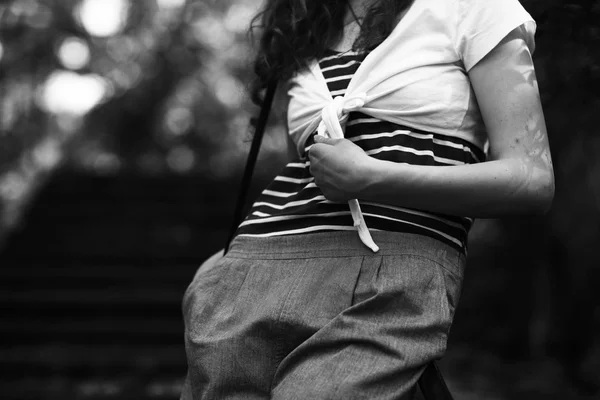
(154, 86)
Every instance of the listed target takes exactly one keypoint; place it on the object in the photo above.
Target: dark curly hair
(295, 32)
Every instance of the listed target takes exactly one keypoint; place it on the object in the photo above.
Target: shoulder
(482, 24)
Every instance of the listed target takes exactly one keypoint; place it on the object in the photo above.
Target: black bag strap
(431, 381)
(259, 132)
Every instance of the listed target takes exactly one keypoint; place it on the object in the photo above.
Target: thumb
(325, 140)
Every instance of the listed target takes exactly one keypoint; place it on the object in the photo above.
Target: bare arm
(518, 178)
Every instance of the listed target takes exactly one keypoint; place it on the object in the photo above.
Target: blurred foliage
(159, 87)
(120, 86)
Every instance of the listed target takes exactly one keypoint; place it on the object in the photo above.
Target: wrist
(372, 174)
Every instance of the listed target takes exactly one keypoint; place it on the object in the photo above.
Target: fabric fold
(332, 117)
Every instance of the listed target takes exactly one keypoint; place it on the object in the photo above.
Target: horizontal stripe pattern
(293, 204)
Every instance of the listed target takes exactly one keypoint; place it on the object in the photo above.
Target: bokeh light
(106, 163)
(238, 16)
(103, 18)
(229, 91)
(181, 159)
(170, 3)
(178, 121)
(211, 31)
(12, 186)
(71, 93)
(74, 53)
(47, 154)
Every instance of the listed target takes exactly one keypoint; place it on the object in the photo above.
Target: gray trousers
(319, 316)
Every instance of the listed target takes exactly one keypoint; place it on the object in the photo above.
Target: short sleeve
(482, 24)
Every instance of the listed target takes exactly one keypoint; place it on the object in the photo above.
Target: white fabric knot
(336, 112)
(332, 116)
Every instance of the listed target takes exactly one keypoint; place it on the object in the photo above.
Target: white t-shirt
(418, 77)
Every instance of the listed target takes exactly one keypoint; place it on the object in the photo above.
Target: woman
(391, 104)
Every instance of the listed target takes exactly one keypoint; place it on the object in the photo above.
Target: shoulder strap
(261, 124)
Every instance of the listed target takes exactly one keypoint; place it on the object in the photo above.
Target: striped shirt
(293, 204)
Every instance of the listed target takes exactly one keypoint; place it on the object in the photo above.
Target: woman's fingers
(314, 154)
(326, 140)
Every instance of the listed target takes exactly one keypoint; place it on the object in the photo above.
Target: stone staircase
(91, 285)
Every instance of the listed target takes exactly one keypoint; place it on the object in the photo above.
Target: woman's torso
(292, 204)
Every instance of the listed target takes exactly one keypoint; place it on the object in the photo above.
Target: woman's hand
(340, 168)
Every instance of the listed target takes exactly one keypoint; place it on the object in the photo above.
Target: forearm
(486, 190)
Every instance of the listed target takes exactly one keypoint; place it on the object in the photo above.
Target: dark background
(123, 133)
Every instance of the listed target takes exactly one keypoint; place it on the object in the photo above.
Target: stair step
(151, 387)
(94, 244)
(120, 312)
(110, 295)
(67, 356)
(103, 273)
(91, 285)
(134, 210)
(94, 331)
